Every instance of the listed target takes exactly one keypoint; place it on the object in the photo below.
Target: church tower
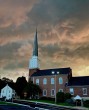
(34, 61)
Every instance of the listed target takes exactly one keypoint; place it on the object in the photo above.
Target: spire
(34, 61)
(35, 45)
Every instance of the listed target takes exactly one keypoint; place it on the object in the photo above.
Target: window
(44, 92)
(52, 92)
(52, 80)
(66, 84)
(33, 79)
(53, 72)
(58, 72)
(60, 90)
(37, 81)
(71, 91)
(44, 81)
(84, 91)
(60, 80)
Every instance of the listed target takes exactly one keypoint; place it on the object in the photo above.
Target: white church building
(7, 92)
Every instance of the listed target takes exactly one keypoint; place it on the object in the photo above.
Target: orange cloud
(14, 12)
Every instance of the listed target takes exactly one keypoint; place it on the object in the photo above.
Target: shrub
(43, 98)
(67, 96)
(70, 101)
(50, 99)
(47, 98)
(60, 97)
(86, 103)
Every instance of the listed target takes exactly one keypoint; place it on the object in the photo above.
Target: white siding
(7, 92)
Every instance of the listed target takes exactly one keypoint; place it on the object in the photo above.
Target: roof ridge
(56, 68)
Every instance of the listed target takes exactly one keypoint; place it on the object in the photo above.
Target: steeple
(35, 45)
(34, 61)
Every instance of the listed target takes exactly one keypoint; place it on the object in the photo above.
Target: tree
(60, 97)
(67, 96)
(5, 81)
(20, 84)
(32, 90)
(2, 84)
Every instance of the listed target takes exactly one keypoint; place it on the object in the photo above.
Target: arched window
(52, 80)
(52, 92)
(60, 90)
(44, 92)
(44, 81)
(60, 80)
(37, 81)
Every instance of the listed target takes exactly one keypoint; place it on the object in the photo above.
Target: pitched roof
(79, 81)
(55, 71)
(7, 86)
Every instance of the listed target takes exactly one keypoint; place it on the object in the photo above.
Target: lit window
(60, 80)
(44, 81)
(52, 80)
(60, 90)
(44, 92)
(58, 72)
(53, 72)
(52, 92)
(84, 91)
(37, 81)
(71, 91)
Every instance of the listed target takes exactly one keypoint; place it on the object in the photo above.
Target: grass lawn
(8, 103)
(51, 102)
(45, 101)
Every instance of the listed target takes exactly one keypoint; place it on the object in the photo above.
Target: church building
(54, 80)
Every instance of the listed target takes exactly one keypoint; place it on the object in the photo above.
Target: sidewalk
(74, 107)
(81, 108)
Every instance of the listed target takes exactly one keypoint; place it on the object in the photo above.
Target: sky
(63, 35)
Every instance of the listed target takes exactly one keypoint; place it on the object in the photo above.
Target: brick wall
(78, 90)
(31, 71)
(50, 86)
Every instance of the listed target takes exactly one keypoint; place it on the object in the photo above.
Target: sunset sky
(63, 35)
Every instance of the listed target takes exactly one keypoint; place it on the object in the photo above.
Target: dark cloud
(63, 32)
(16, 65)
(58, 11)
(8, 51)
(49, 50)
(82, 52)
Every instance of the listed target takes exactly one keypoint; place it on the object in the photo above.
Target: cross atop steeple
(35, 45)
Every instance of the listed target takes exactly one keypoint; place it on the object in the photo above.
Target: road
(44, 106)
(9, 107)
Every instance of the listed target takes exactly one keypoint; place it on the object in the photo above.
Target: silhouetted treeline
(23, 88)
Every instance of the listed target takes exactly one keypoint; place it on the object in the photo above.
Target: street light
(55, 86)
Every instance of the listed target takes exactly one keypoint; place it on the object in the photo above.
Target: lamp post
(56, 86)
(55, 89)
